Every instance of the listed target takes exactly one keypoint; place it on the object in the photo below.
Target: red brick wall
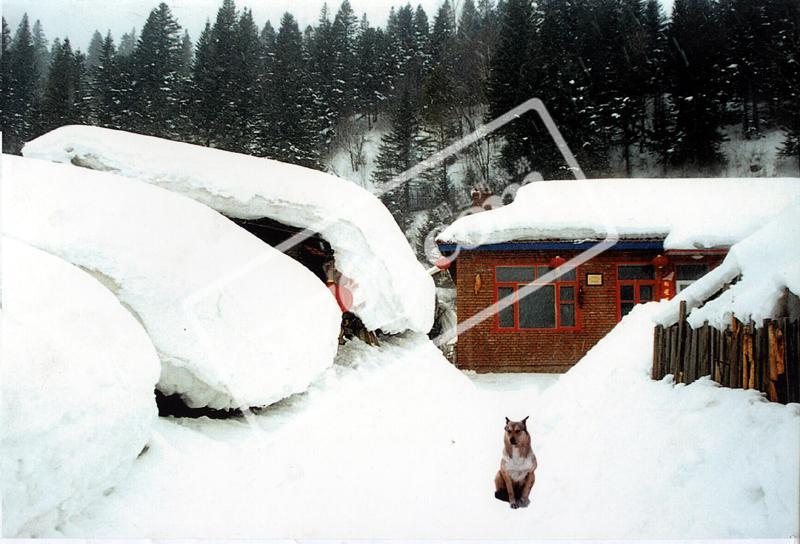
(487, 349)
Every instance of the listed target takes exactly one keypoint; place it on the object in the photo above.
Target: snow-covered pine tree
(344, 35)
(20, 84)
(249, 79)
(156, 63)
(695, 70)
(62, 103)
(295, 140)
(41, 54)
(659, 132)
(93, 52)
(104, 84)
(127, 43)
(439, 99)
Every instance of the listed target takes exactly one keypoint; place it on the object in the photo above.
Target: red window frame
(636, 284)
(515, 285)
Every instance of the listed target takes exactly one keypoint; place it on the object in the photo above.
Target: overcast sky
(78, 19)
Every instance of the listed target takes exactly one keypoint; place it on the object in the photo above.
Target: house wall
(486, 348)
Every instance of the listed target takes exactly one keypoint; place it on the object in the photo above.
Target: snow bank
(235, 322)
(686, 213)
(392, 292)
(634, 458)
(768, 262)
(78, 375)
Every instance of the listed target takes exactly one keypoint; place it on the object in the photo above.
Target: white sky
(78, 19)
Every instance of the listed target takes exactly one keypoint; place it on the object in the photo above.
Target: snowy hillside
(235, 322)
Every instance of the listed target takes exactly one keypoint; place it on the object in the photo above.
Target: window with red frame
(551, 306)
(636, 284)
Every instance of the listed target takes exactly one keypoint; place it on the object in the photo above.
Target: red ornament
(659, 261)
(343, 296)
(443, 263)
(557, 261)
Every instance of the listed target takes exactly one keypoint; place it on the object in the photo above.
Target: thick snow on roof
(77, 385)
(768, 262)
(236, 323)
(392, 291)
(686, 213)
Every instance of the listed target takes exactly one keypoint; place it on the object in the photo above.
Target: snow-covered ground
(395, 442)
(76, 383)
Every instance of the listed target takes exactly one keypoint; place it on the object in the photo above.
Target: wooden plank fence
(741, 356)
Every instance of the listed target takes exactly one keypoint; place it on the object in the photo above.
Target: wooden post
(772, 390)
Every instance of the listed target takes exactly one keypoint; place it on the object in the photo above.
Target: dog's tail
(501, 494)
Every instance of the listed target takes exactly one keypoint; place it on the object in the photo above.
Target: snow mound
(78, 376)
(768, 262)
(392, 291)
(686, 213)
(616, 447)
(236, 323)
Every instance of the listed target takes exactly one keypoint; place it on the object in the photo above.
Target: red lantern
(659, 261)
(443, 263)
(343, 295)
(556, 261)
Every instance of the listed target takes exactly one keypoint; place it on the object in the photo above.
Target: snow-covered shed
(541, 280)
(275, 201)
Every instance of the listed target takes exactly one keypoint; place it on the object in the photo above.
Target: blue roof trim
(643, 245)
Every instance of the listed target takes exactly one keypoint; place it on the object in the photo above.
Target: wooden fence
(741, 356)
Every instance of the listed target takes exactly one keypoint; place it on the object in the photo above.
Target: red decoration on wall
(557, 261)
(659, 261)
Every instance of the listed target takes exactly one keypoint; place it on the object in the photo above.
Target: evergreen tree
(6, 74)
(156, 64)
(659, 136)
(20, 83)
(93, 52)
(41, 54)
(62, 103)
(127, 43)
(321, 58)
(187, 54)
(785, 72)
(203, 89)
(248, 75)
(344, 33)
(694, 74)
(439, 97)
(105, 84)
(401, 148)
(293, 142)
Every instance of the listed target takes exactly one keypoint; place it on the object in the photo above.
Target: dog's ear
(524, 424)
(508, 421)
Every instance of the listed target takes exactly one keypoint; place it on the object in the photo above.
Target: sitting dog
(515, 478)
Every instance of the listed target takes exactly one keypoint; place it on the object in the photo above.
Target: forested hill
(621, 79)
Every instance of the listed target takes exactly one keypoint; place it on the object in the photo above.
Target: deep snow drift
(686, 213)
(78, 374)
(393, 442)
(768, 262)
(391, 290)
(260, 335)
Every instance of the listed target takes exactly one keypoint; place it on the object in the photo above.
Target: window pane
(626, 307)
(506, 315)
(568, 276)
(626, 292)
(690, 271)
(567, 315)
(542, 270)
(645, 293)
(566, 293)
(637, 272)
(538, 309)
(515, 273)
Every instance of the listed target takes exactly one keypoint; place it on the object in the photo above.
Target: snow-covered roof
(391, 289)
(251, 341)
(767, 262)
(685, 213)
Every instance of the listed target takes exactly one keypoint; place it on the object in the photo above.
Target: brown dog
(515, 478)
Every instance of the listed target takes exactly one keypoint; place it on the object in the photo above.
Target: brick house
(659, 250)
